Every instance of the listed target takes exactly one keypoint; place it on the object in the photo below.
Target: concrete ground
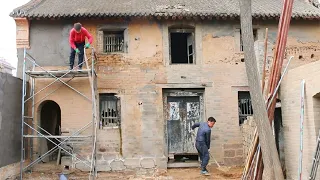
(50, 172)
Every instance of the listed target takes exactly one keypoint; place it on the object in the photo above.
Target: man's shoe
(206, 173)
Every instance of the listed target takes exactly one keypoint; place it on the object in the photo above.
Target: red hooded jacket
(79, 37)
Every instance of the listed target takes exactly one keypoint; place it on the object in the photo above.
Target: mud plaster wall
(139, 76)
(290, 101)
(10, 119)
(302, 43)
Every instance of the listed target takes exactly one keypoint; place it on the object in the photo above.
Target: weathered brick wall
(290, 98)
(233, 154)
(139, 76)
(108, 143)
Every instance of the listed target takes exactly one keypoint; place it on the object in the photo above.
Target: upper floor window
(113, 41)
(182, 46)
(255, 37)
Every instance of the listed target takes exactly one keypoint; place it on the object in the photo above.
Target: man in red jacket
(77, 40)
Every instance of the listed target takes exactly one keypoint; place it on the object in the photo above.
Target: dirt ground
(177, 173)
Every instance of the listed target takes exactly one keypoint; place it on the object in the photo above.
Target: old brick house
(162, 65)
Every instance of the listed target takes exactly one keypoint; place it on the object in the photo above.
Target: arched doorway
(50, 122)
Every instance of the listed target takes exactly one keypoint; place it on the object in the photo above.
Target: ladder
(315, 161)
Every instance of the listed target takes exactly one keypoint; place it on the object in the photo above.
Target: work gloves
(86, 46)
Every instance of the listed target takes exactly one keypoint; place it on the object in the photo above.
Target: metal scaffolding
(30, 129)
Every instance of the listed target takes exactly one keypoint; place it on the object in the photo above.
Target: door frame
(180, 93)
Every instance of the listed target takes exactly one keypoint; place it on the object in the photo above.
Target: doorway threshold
(186, 164)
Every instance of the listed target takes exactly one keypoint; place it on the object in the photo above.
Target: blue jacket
(204, 133)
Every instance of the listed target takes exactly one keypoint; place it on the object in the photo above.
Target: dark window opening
(255, 37)
(113, 41)
(244, 106)
(109, 110)
(182, 46)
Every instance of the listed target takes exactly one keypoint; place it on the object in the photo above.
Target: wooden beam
(267, 141)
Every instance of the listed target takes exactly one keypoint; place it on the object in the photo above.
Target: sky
(8, 31)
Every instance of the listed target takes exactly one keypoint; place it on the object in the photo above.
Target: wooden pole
(267, 141)
(265, 59)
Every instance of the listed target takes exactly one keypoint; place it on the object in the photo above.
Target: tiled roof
(184, 8)
(6, 64)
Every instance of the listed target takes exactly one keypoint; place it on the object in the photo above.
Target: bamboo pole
(265, 59)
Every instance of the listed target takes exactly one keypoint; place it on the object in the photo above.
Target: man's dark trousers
(80, 46)
(203, 153)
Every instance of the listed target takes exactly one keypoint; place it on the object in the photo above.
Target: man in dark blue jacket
(203, 142)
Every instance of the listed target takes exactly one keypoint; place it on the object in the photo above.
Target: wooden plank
(59, 73)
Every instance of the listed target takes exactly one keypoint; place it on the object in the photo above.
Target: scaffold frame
(30, 130)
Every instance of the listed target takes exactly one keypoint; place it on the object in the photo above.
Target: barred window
(109, 110)
(244, 105)
(113, 41)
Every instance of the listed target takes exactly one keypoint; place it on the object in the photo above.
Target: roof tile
(107, 8)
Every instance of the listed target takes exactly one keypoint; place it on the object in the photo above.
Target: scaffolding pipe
(93, 114)
(22, 112)
(57, 79)
(51, 136)
(32, 120)
(315, 162)
(278, 85)
(94, 81)
(93, 99)
(54, 137)
(53, 149)
(301, 128)
(57, 145)
(53, 91)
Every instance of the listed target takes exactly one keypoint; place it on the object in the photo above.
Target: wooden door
(183, 112)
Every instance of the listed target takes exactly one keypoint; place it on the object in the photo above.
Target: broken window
(113, 41)
(182, 46)
(244, 106)
(255, 37)
(109, 110)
